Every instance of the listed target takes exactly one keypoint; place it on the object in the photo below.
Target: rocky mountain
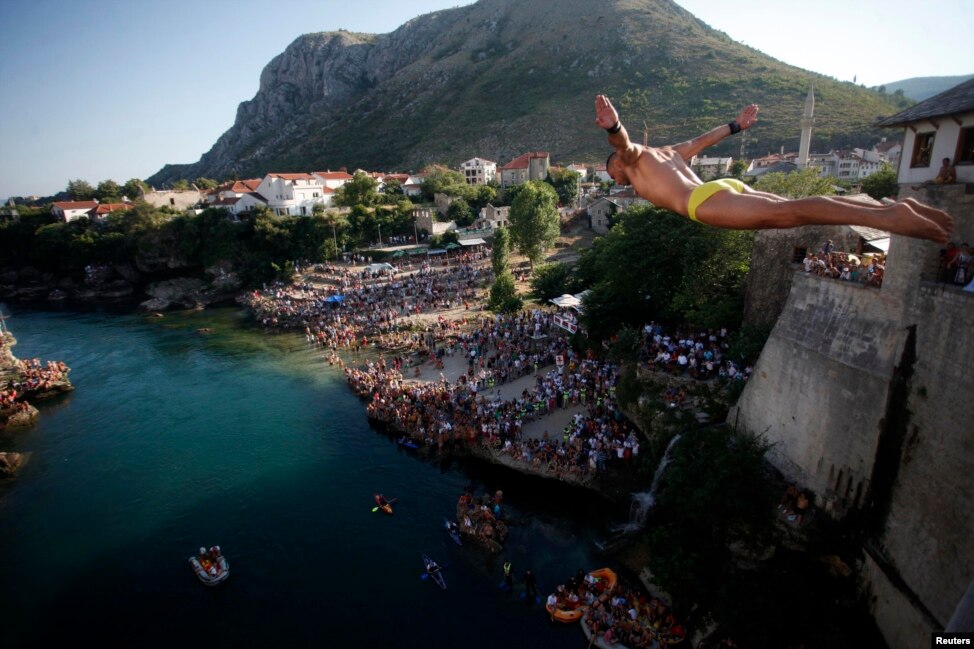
(501, 77)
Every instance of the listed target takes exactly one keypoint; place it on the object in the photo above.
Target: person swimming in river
(662, 176)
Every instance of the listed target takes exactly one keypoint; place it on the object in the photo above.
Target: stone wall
(821, 387)
(773, 264)
(866, 394)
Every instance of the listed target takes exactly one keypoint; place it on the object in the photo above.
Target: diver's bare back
(661, 176)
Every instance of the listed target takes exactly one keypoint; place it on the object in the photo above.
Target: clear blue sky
(115, 89)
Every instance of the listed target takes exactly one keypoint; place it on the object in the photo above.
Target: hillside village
(301, 193)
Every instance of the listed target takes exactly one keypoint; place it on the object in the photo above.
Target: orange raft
(601, 580)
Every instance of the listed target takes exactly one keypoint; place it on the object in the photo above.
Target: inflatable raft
(210, 566)
(600, 580)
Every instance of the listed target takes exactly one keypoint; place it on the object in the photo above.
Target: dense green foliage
(799, 184)
(714, 495)
(80, 190)
(460, 212)
(882, 184)
(503, 295)
(259, 248)
(534, 220)
(362, 189)
(440, 179)
(657, 266)
(566, 183)
(500, 253)
(552, 280)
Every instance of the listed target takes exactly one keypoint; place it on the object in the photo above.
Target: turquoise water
(175, 439)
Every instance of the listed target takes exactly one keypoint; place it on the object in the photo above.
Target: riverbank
(21, 383)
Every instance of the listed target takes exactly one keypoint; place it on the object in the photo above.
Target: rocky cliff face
(500, 77)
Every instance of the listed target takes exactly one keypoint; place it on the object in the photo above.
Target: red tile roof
(293, 176)
(108, 208)
(76, 205)
(334, 175)
(522, 161)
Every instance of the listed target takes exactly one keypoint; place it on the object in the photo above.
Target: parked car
(380, 269)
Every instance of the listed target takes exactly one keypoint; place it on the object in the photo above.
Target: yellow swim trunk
(706, 190)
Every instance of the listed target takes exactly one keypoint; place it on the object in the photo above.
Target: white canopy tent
(565, 301)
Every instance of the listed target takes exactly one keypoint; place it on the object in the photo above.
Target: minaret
(808, 118)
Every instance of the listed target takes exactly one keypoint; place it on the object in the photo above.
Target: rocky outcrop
(20, 383)
(511, 77)
(99, 283)
(191, 293)
(10, 464)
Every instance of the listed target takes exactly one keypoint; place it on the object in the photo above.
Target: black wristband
(734, 126)
(612, 130)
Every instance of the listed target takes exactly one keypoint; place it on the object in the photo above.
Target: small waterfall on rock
(643, 502)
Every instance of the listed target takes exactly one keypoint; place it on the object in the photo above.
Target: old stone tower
(808, 119)
(866, 395)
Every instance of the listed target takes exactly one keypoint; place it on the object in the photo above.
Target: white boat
(210, 566)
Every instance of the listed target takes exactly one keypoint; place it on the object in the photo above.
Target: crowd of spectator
(867, 269)
(37, 378)
(629, 618)
(464, 413)
(356, 307)
(700, 355)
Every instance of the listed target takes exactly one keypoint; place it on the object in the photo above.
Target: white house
(332, 179)
(581, 170)
(624, 196)
(71, 210)
(710, 168)
(600, 214)
(601, 174)
(102, 210)
(477, 171)
(937, 128)
(292, 194)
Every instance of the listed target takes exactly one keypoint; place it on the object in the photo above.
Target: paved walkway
(456, 366)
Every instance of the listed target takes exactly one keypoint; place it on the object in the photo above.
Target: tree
(362, 189)
(460, 212)
(134, 188)
(108, 191)
(655, 265)
(737, 169)
(206, 183)
(480, 196)
(534, 220)
(799, 184)
(503, 295)
(565, 182)
(81, 190)
(180, 185)
(501, 252)
(393, 189)
(551, 280)
(882, 184)
(439, 179)
(714, 496)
